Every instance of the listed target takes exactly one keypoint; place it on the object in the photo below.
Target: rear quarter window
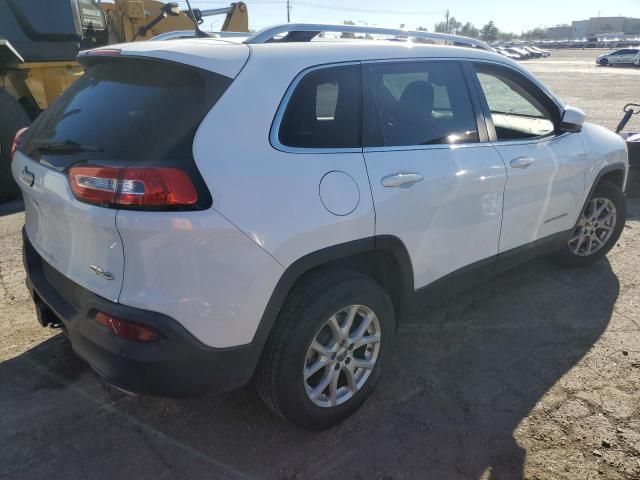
(324, 110)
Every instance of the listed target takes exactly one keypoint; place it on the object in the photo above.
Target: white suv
(200, 212)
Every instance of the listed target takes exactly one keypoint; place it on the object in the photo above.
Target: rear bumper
(175, 365)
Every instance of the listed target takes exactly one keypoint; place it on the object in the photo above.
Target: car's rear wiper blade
(68, 146)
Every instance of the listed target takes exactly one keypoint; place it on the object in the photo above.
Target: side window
(324, 110)
(517, 109)
(418, 103)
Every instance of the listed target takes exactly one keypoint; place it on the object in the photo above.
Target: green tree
(537, 33)
(469, 30)
(506, 36)
(489, 32)
(348, 34)
(454, 26)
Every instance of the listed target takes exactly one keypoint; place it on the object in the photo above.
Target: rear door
(70, 235)
(437, 183)
(122, 113)
(545, 167)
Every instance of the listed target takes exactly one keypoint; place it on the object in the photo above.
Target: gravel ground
(533, 375)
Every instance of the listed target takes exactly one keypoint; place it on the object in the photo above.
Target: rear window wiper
(66, 146)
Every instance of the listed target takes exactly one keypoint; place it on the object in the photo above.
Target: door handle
(401, 180)
(522, 162)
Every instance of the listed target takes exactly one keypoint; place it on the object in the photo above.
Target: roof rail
(305, 32)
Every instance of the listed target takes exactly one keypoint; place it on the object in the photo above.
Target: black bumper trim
(176, 365)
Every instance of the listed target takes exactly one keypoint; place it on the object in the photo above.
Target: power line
(367, 10)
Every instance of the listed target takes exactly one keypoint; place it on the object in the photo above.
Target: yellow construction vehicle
(40, 39)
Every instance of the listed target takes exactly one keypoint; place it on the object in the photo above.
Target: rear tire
(12, 118)
(595, 234)
(304, 329)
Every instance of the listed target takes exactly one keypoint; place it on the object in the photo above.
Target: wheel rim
(342, 356)
(595, 227)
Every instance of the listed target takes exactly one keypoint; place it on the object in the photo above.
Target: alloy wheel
(595, 227)
(342, 356)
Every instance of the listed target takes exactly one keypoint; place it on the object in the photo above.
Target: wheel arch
(614, 172)
(383, 258)
(611, 173)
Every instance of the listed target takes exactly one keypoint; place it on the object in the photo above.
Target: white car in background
(543, 53)
(184, 246)
(624, 56)
(504, 52)
(636, 62)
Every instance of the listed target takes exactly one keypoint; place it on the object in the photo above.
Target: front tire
(604, 62)
(598, 229)
(325, 353)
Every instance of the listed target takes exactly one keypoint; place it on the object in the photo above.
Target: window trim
(274, 132)
(541, 94)
(483, 137)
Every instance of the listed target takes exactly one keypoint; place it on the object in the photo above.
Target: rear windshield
(126, 110)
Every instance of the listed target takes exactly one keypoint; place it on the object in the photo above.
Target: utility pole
(288, 11)
(447, 17)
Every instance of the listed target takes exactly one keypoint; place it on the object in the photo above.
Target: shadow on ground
(466, 373)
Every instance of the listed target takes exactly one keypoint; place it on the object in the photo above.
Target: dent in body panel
(70, 235)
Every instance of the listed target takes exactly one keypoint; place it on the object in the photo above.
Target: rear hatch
(127, 115)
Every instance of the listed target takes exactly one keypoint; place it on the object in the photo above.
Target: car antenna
(196, 21)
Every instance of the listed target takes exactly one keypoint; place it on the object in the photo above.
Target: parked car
(521, 51)
(505, 52)
(524, 55)
(532, 52)
(184, 246)
(543, 53)
(636, 61)
(624, 56)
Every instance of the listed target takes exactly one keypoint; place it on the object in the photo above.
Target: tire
(304, 317)
(604, 62)
(12, 118)
(576, 252)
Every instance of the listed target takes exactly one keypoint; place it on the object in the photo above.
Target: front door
(436, 185)
(545, 167)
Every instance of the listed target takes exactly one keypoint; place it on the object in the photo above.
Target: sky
(512, 16)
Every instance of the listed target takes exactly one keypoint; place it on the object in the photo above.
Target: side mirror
(572, 119)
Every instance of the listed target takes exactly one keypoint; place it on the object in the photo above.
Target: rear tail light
(140, 187)
(125, 329)
(16, 140)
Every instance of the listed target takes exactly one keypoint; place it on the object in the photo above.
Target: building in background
(579, 29)
(559, 33)
(596, 27)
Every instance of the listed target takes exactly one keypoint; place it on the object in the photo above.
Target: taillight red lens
(16, 140)
(125, 329)
(153, 187)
